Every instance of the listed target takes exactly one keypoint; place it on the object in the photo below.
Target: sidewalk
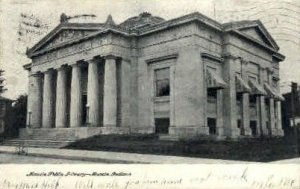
(115, 157)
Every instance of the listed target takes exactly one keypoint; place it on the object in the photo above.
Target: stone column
(110, 92)
(279, 124)
(76, 97)
(48, 100)
(124, 80)
(245, 103)
(34, 117)
(272, 117)
(61, 98)
(220, 125)
(229, 98)
(93, 93)
(263, 115)
(246, 114)
(258, 126)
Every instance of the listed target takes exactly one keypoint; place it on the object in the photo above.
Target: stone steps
(37, 143)
(49, 135)
(43, 138)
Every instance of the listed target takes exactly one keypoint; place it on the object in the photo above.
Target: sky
(25, 22)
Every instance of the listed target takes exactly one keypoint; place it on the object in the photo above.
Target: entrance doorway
(162, 125)
(212, 125)
(253, 127)
(84, 110)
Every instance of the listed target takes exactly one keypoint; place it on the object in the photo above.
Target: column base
(232, 133)
(247, 132)
(220, 131)
(277, 132)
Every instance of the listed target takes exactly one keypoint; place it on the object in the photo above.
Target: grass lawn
(259, 149)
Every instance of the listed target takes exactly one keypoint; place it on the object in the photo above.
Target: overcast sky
(17, 13)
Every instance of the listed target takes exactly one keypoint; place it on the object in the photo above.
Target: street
(21, 159)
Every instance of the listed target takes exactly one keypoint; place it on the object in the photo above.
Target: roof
(251, 24)
(142, 20)
(5, 99)
(145, 24)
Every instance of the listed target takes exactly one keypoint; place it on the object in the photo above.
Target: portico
(68, 100)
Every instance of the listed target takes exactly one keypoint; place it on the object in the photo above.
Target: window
(239, 123)
(239, 98)
(252, 101)
(162, 82)
(212, 95)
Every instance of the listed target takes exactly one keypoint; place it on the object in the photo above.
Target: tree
(18, 114)
(2, 85)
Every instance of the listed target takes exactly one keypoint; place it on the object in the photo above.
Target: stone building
(186, 77)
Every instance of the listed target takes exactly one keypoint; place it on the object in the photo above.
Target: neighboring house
(186, 77)
(291, 107)
(5, 110)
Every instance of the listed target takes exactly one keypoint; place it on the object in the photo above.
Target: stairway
(36, 143)
(43, 138)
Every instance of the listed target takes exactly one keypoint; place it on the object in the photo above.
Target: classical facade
(186, 77)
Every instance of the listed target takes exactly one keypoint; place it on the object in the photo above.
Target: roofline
(195, 16)
(27, 66)
(108, 30)
(6, 99)
(277, 54)
(150, 29)
(252, 23)
(63, 26)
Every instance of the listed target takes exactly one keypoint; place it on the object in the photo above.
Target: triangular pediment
(62, 35)
(256, 33)
(252, 29)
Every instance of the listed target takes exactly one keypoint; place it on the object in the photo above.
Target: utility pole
(294, 104)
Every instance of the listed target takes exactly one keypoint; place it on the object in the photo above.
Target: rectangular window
(239, 123)
(162, 82)
(239, 98)
(252, 101)
(212, 93)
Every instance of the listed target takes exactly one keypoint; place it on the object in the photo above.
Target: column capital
(110, 56)
(36, 74)
(49, 71)
(261, 68)
(270, 70)
(245, 62)
(229, 56)
(76, 64)
(60, 68)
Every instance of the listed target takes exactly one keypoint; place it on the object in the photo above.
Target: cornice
(212, 57)
(161, 58)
